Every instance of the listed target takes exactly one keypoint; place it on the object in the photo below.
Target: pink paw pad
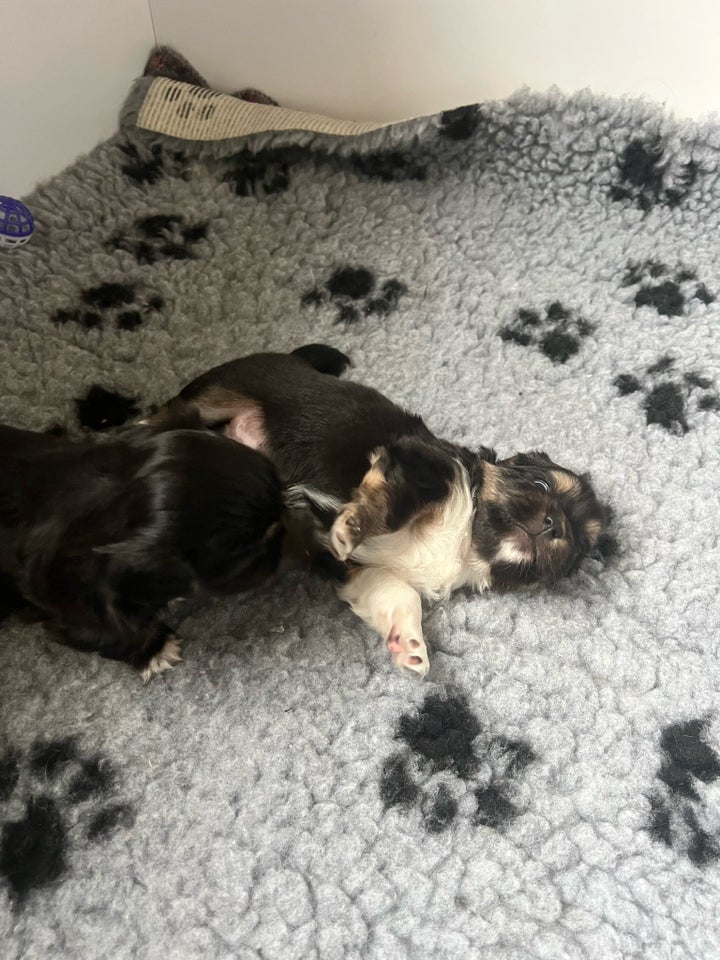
(400, 648)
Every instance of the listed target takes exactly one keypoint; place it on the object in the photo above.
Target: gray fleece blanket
(537, 273)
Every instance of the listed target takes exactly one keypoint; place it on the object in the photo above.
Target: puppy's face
(535, 521)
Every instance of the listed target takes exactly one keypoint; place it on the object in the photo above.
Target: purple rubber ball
(16, 223)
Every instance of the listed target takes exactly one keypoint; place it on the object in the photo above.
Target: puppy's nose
(551, 525)
(545, 523)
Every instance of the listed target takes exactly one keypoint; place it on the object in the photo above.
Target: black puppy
(416, 515)
(99, 537)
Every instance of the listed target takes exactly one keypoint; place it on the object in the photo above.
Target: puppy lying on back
(416, 516)
(99, 537)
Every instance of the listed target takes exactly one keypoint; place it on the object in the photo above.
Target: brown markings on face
(511, 501)
(565, 484)
(593, 529)
(524, 508)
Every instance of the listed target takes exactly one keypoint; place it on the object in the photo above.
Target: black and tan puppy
(414, 515)
(97, 538)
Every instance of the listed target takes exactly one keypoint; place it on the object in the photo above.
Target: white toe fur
(341, 539)
(164, 660)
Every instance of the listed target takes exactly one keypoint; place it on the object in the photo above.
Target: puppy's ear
(607, 546)
(604, 544)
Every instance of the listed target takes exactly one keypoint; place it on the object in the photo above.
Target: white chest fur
(434, 554)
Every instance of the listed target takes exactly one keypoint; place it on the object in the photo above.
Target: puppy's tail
(323, 359)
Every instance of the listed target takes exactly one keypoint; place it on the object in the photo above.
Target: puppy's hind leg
(151, 649)
(150, 646)
(394, 608)
(237, 417)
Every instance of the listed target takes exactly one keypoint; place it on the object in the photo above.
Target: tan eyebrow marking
(565, 483)
(592, 530)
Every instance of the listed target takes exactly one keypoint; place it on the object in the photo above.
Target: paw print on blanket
(648, 178)
(161, 236)
(449, 766)
(260, 173)
(385, 166)
(149, 164)
(125, 305)
(556, 331)
(672, 293)
(101, 409)
(98, 409)
(263, 173)
(354, 292)
(678, 814)
(54, 797)
(670, 396)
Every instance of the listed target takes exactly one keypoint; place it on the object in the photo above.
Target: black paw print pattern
(148, 165)
(260, 173)
(161, 236)
(388, 166)
(669, 292)
(266, 172)
(354, 291)
(125, 305)
(66, 798)
(669, 396)
(648, 179)
(676, 805)
(555, 331)
(101, 409)
(449, 765)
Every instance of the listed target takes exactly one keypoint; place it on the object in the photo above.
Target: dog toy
(16, 223)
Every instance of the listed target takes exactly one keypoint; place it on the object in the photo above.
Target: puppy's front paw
(164, 660)
(345, 534)
(408, 652)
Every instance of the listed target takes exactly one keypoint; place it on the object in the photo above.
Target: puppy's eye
(542, 485)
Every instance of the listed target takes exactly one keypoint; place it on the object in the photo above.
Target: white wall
(65, 70)
(66, 65)
(387, 59)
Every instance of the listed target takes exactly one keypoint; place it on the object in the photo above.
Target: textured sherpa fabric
(538, 273)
